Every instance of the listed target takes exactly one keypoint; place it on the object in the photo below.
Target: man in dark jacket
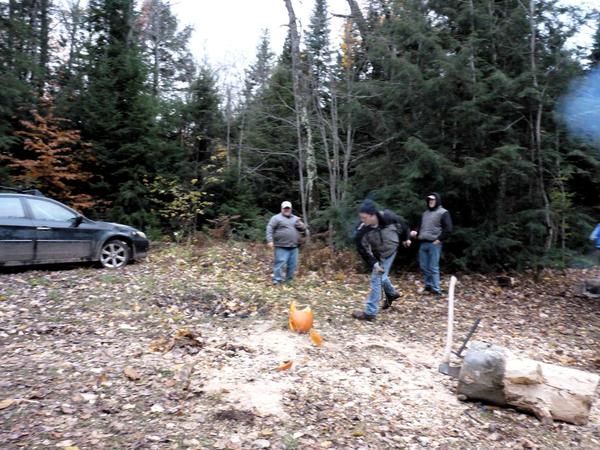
(436, 226)
(377, 239)
(283, 234)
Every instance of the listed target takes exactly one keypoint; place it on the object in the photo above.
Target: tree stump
(493, 374)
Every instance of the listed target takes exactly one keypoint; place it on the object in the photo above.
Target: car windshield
(45, 210)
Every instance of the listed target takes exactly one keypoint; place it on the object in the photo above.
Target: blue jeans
(429, 260)
(379, 280)
(287, 256)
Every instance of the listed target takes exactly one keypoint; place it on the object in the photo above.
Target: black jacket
(375, 243)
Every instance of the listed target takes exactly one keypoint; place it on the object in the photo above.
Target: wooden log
(493, 374)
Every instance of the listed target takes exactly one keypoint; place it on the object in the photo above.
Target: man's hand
(407, 243)
(270, 244)
(437, 242)
(413, 234)
(300, 225)
(377, 267)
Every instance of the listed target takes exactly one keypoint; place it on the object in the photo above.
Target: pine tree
(318, 43)
(204, 121)
(165, 47)
(118, 111)
(258, 74)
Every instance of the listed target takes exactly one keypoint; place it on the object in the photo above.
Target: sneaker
(362, 316)
(389, 299)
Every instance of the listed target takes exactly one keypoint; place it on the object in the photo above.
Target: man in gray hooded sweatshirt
(436, 226)
(283, 234)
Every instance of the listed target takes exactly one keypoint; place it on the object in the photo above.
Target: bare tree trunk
(156, 38)
(335, 143)
(74, 12)
(492, 31)
(44, 13)
(471, 45)
(537, 131)
(228, 114)
(241, 145)
(12, 5)
(349, 137)
(564, 205)
(300, 109)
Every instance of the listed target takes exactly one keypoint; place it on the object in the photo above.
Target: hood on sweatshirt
(438, 200)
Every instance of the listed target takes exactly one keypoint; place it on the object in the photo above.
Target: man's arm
(446, 227)
(364, 249)
(270, 228)
(300, 226)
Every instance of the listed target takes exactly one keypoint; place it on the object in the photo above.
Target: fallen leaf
(316, 338)
(285, 366)
(131, 373)
(6, 403)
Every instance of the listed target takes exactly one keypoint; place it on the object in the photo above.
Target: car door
(58, 236)
(17, 232)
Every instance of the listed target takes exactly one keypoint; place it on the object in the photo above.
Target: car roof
(16, 194)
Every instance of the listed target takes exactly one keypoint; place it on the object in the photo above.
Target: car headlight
(140, 234)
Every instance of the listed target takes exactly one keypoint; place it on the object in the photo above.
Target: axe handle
(448, 349)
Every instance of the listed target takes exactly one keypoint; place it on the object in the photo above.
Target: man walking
(436, 226)
(377, 239)
(283, 234)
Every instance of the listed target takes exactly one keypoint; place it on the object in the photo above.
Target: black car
(37, 230)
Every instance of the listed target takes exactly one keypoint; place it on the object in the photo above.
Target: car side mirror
(77, 221)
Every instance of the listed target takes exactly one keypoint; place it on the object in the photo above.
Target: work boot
(389, 299)
(362, 316)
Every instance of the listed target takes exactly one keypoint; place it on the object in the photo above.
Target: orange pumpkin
(300, 320)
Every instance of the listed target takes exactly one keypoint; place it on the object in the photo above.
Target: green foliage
(178, 206)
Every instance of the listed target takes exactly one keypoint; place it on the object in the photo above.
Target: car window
(44, 210)
(11, 208)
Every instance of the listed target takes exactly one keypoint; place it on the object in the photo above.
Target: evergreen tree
(203, 120)
(318, 45)
(118, 111)
(166, 48)
(258, 74)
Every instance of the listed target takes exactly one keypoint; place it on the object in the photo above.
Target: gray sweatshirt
(282, 231)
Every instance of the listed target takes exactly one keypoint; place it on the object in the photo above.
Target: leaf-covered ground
(180, 351)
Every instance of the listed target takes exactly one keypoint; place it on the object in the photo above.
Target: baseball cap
(286, 204)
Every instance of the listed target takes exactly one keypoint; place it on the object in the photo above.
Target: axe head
(447, 369)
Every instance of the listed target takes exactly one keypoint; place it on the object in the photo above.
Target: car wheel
(114, 254)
